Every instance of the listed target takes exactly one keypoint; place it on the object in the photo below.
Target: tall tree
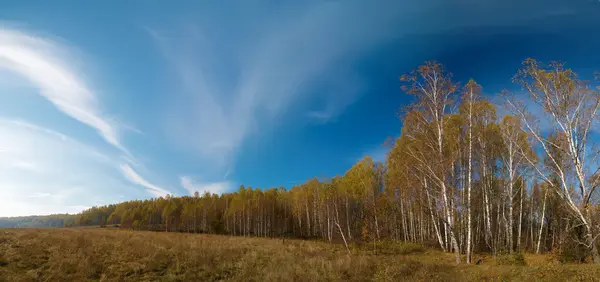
(472, 89)
(570, 107)
(515, 150)
(434, 91)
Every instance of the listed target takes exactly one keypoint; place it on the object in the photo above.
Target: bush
(570, 253)
(398, 248)
(432, 244)
(511, 259)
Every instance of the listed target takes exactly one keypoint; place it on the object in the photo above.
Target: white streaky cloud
(135, 178)
(44, 171)
(46, 65)
(276, 69)
(27, 146)
(238, 84)
(23, 145)
(213, 187)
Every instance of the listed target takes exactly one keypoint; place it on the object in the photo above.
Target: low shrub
(511, 259)
(570, 253)
(398, 248)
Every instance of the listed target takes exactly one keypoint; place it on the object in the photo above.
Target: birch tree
(472, 89)
(514, 151)
(434, 92)
(570, 107)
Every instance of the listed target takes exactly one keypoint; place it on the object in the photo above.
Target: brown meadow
(103, 254)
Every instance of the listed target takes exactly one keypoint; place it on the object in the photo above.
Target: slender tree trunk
(511, 177)
(469, 177)
(375, 214)
(537, 249)
(328, 225)
(307, 217)
(337, 223)
(348, 219)
(486, 203)
(531, 226)
(421, 225)
(442, 184)
(412, 225)
(450, 224)
(315, 217)
(433, 220)
(403, 218)
(520, 215)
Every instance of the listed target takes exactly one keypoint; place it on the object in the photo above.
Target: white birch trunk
(520, 216)
(537, 249)
(469, 177)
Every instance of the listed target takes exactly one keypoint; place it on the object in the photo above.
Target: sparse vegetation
(511, 259)
(107, 254)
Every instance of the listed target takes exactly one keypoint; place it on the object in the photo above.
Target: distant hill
(37, 221)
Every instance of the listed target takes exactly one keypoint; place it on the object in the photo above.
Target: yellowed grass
(120, 255)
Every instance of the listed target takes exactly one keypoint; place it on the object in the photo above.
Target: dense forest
(461, 177)
(55, 220)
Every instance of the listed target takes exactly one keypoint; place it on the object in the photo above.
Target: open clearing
(121, 255)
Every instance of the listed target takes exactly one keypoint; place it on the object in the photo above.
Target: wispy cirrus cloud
(135, 178)
(239, 81)
(44, 171)
(46, 65)
(212, 187)
(242, 83)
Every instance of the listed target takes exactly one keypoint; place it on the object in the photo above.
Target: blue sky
(101, 103)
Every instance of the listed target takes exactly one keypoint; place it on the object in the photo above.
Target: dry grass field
(121, 255)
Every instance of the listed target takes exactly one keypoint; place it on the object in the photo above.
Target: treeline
(460, 177)
(55, 220)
